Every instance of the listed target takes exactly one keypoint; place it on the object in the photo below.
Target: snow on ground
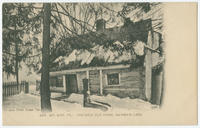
(28, 101)
(75, 102)
(115, 102)
(21, 101)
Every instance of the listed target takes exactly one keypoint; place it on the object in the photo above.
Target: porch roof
(71, 71)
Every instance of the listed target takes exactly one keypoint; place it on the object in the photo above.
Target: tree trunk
(17, 68)
(44, 88)
(16, 59)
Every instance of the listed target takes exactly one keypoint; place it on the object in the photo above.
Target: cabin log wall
(131, 82)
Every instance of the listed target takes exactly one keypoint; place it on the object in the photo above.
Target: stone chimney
(127, 21)
(100, 25)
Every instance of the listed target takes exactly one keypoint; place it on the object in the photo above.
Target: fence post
(9, 89)
(21, 86)
(5, 90)
(15, 90)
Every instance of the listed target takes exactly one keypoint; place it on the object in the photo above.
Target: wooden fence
(11, 88)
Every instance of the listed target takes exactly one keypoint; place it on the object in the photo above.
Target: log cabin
(121, 73)
(109, 69)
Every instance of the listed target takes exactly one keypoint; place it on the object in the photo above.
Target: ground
(74, 102)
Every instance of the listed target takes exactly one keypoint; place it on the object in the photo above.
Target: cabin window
(60, 81)
(113, 79)
(56, 81)
(52, 81)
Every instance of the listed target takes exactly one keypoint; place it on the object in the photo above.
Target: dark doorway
(71, 84)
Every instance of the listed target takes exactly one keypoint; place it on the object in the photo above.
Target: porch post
(87, 76)
(148, 69)
(101, 83)
(64, 83)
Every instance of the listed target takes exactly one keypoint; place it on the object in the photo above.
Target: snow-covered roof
(85, 57)
(100, 49)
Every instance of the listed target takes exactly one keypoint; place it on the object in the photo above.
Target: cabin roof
(102, 48)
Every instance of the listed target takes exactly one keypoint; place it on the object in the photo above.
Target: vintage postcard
(99, 63)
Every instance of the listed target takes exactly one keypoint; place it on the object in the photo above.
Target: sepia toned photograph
(68, 63)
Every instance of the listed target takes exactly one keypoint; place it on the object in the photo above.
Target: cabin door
(71, 83)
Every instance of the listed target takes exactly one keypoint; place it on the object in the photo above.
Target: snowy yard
(74, 102)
